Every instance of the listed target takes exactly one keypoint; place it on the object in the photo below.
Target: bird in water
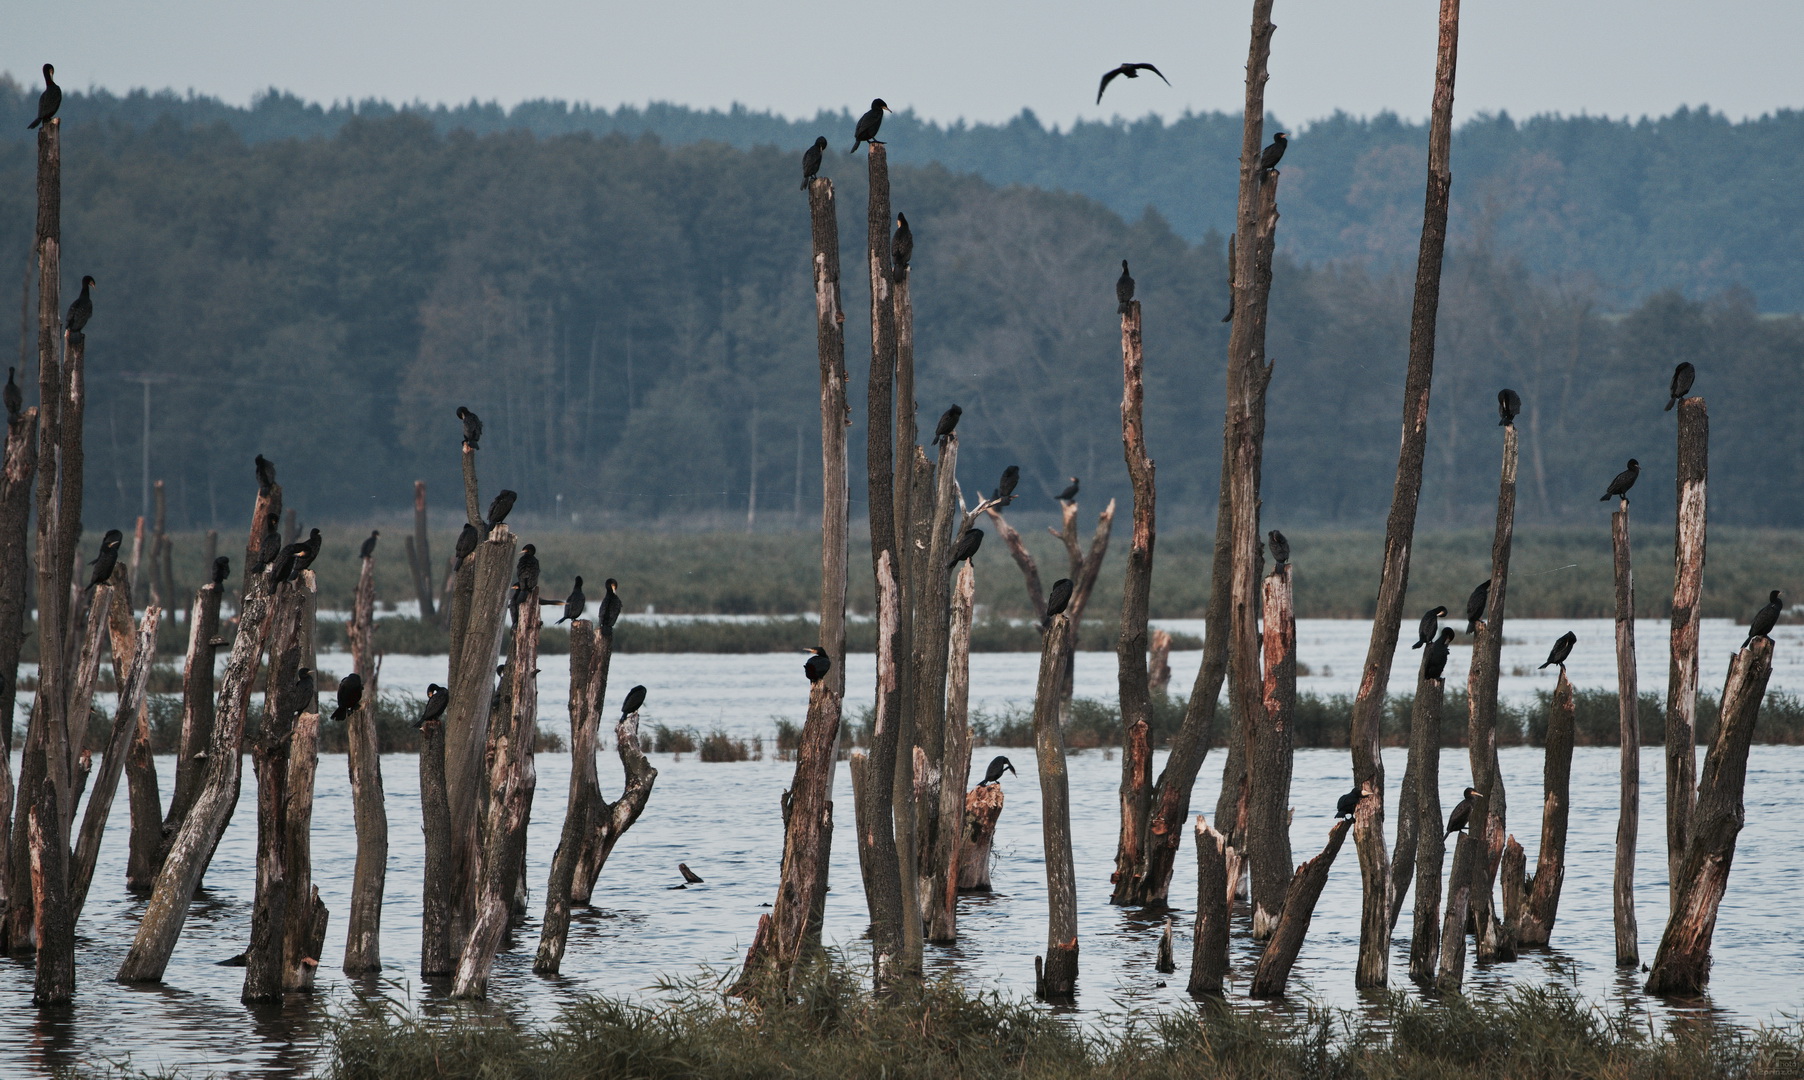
(1434, 661)
(1682, 378)
(1764, 619)
(1475, 605)
(866, 131)
(369, 546)
(1127, 71)
(1562, 648)
(1280, 547)
(811, 160)
(966, 547)
(948, 421)
(1430, 624)
(818, 664)
(266, 475)
(50, 100)
(222, 566)
(1274, 153)
(998, 766)
(1348, 804)
(1005, 487)
(1623, 482)
(526, 572)
(82, 309)
(472, 428)
(466, 545)
(107, 559)
(15, 399)
(1070, 492)
(610, 608)
(1462, 812)
(1509, 405)
(350, 696)
(499, 507)
(1058, 600)
(634, 699)
(437, 698)
(1124, 290)
(902, 248)
(575, 604)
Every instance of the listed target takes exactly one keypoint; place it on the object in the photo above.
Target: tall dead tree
(197, 712)
(1133, 678)
(1481, 728)
(146, 839)
(1409, 801)
(1431, 842)
(1541, 894)
(472, 680)
(1687, 617)
(1400, 526)
(934, 830)
(1056, 978)
(1628, 822)
(1270, 757)
(363, 922)
(872, 806)
(836, 417)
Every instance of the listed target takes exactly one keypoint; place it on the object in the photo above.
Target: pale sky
(979, 60)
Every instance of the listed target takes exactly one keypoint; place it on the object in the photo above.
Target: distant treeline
(633, 322)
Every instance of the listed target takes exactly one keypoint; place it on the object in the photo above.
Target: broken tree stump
(112, 763)
(437, 955)
(942, 924)
(304, 922)
(983, 806)
(1541, 902)
(1271, 759)
(1280, 955)
(1431, 841)
(197, 712)
(1057, 981)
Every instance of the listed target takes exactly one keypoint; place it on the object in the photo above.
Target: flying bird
(1475, 605)
(1623, 482)
(575, 604)
(634, 699)
(998, 766)
(1274, 153)
(1070, 492)
(902, 249)
(1682, 378)
(866, 131)
(466, 545)
(1431, 622)
(1058, 599)
(499, 507)
(437, 698)
(1562, 648)
(1434, 661)
(1462, 812)
(1348, 804)
(818, 664)
(221, 567)
(50, 100)
(1124, 290)
(1129, 71)
(369, 546)
(1764, 619)
(811, 160)
(82, 309)
(350, 696)
(966, 547)
(1509, 404)
(15, 398)
(266, 475)
(610, 608)
(1280, 547)
(948, 421)
(472, 428)
(108, 558)
(1005, 487)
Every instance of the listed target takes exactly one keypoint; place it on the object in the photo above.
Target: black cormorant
(1124, 290)
(1275, 152)
(1280, 547)
(1005, 487)
(818, 664)
(866, 131)
(1434, 661)
(266, 475)
(1623, 482)
(15, 399)
(948, 421)
(269, 549)
(902, 248)
(1509, 404)
(1058, 599)
(1562, 648)
(109, 557)
(966, 547)
(437, 697)
(1348, 804)
(1764, 619)
(1070, 492)
(301, 692)
(610, 608)
(499, 507)
(305, 552)
(1462, 812)
(1131, 71)
(50, 100)
(634, 699)
(1475, 605)
(998, 766)
(222, 566)
(1682, 378)
(369, 545)
(472, 428)
(811, 160)
(82, 309)
(350, 696)
(1430, 624)
(466, 545)
(526, 571)
(576, 603)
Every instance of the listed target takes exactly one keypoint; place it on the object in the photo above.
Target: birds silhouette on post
(635, 698)
(1005, 487)
(107, 559)
(966, 547)
(817, 665)
(575, 604)
(266, 475)
(1562, 648)
(948, 422)
(610, 608)
(499, 507)
(350, 696)
(1434, 661)
(866, 131)
(472, 428)
(369, 545)
(1280, 548)
(222, 566)
(1124, 290)
(1057, 600)
(50, 100)
(1509, 405)
(1462, 813)
(1274, 153)
(1682, 378)
(437, 698)
(1429, 626)
(1126, 71)
(811, 160)
(1619, 487)
(81, 309)
(1348, 805)
(1475, 605)
(15, 398)
(1070, 492)
(1765, 619)
(993, 775)
(902, 248)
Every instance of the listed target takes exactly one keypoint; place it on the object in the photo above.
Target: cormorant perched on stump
(300, 692)
(610, 608)
(1058, 599)
(634, 699)
(15, 399)
(81, 310)
(222, 566)
(1764, 619)
(966, 547)
(1509, 405)
(1462, 812)
(1434, 661)
(350, 696)
(1430, 624)
(499, 507)
(1280, 547)
(818, 664)
(1124, 290)
(50, 100)
(1275, 152)
(902, 248)
(998, 765)
(1562, 648)
(1348, 804)
(948, 421)
(437, 698)
(811, 160)
(1070, 492)
(866, 131)
(1130, 71)
(109, 557)
(1005, 487)
(1475, 605)
(466, 545)
(526, 571)
(297, 557)
(266, 475)
(472, 427)
(269, 549)
(369, 545)
(1682, 378)
(1623, 482)
(575, 604)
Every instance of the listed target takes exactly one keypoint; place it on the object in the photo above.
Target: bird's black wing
(1108, 77)
(1155, 71)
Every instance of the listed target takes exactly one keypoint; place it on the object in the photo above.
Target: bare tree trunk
(437, 902)
(467, 717)
(1628, 951)
(1687, 612)
(1214, 904)
(1280, 955)
(942, 923)
(1542, 902)
(876, 833)
(197, 713)
(596, 842)
(266, 515)
(1270, 762)
(422, 548)
(935, 835)
(363, 925)
(1030, 570)
(1132, 673)
(1058, 979)
(1158, 663)
(1409, 809)
(304, 929)
(913, 520)
(983, 808)
(21, 466)
(830, 340)
(1682, 965)
(1481, 738)
(145, 848)
(106, 780)
(1431, 843)
(55, 982)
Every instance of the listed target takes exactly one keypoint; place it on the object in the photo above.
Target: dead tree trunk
(1431, 842)
(363, 925)
(1409, 806)
(1133, 676)
(197, 713)
(1481, 730)
(913, 520)
(1687, 612)
(830, 343)
(145, 849)
(593, 852)
(467, 717)
(582, 805)
(55, 981)
(1682, 965)
(936, 833)
(421, 552)
(1628, 951)
(942, 923)
(1280, 955)
(1058, 978)
(1270, 760)
(1400, 527)
(304, 926)
(983, 808)
(1214, 904)
(1541, 901)
(132, 691)
(21, 467)
(437, 902)
(1030, 570)
(875, 814)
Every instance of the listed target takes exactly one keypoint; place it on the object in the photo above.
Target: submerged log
(1628, 698)
(1687, 616)
(1215, 862)
(1058, 979)
(1542, 900)
(983, 807)
(1273, 973)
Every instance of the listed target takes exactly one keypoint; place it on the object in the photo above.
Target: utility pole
(146, 380)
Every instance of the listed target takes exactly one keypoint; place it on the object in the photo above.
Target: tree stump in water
(983, 806)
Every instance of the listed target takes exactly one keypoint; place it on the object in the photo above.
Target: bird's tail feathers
(1418, 644)
(1670, 402)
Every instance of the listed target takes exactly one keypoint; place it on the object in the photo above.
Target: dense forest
(631, 317)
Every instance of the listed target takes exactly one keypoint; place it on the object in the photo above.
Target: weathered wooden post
(1431, 842)
(1687, 614)
(1541, 901)
(1214, 903)
(112, 763)
(873, 778)
(472, 675)
(16, 482)
(197, 712)
(145, 848)
(1058, 978)
(438, 901)
(1682, 965)
(948, 853)
(1481, 731)
(983, 808)
(1628, 822)
(1133, 677)
(1273, 972)
(830, 344)
(363, 922)
(1271, 757)
(304, 919)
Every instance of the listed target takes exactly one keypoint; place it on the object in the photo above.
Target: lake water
(724, 820)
